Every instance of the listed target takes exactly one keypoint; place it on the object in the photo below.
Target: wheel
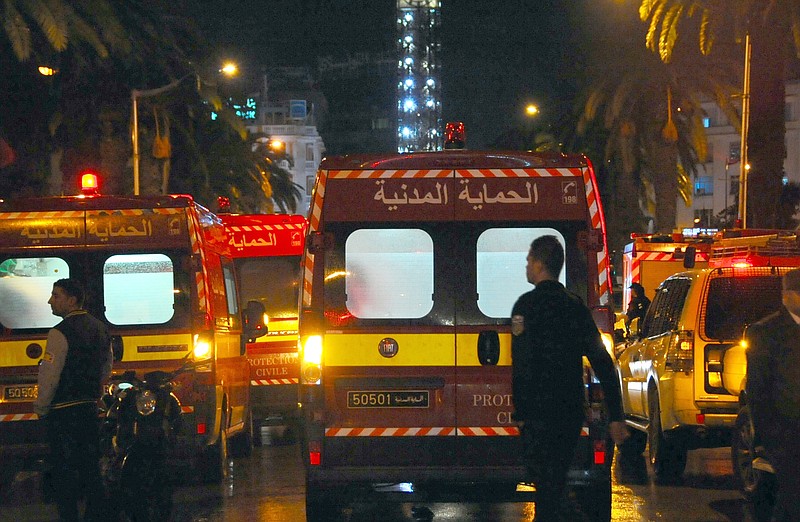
(320, 506)
(756, 485)
(215, 457)
(242, 444)
(594, 502)
(634, 446)
(667, 457)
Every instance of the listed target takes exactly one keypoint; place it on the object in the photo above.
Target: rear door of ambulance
(498, 213)
(389, 355)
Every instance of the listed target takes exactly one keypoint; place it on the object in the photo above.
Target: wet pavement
(269, 487)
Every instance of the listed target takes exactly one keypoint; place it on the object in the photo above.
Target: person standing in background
(773, 393)
(76, 363)
(552, 330)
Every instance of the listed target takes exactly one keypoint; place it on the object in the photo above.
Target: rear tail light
(314, 453)
(680, 354)
(599, 452)
(311, 359)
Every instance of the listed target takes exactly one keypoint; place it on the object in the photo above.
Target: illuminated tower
(419, 104)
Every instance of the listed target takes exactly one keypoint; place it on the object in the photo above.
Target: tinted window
(665, 311)
(25, 286)
(735, 302)
(138, 289)
(501, 260)
(273, 281)
(389, 273)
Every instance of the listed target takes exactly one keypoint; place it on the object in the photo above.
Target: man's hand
(618, 431)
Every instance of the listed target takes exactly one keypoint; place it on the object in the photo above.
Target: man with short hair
(552, 332)
(773, 393)
(76, 363)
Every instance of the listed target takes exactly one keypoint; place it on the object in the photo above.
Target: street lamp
(743, 165)
(228, 69)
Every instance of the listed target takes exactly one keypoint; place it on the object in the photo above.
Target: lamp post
(135, 95)
(229, 69)
(743, 166)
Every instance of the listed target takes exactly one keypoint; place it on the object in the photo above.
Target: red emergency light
(454, 135)
(223, 205)
(89, 182)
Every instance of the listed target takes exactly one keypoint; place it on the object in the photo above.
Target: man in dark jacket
(552, 331)
(773, 393)
(76, 362)
(638, 305)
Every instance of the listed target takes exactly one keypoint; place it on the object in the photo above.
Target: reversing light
(89, 182)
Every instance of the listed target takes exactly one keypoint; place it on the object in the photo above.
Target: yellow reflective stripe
(434, 349)
(467, 349)
(162, 347)
(12, 353)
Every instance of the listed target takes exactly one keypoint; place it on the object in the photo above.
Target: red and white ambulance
(266, 249)
(158, 271)
(411, 268)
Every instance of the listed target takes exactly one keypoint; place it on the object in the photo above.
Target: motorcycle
(140, 419)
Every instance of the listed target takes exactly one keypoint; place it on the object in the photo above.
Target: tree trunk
(765, 142)
(663, 168)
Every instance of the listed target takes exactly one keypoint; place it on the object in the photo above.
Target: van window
(665, 311)
(501, 260)
(25, 287)
(735, 302)
(138, 289)
(273, 281)
(389, 273)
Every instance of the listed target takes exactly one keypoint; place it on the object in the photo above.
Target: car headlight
(146, 403)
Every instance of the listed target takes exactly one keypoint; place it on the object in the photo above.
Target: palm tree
(772, 26)
(652, 116)
(40, 28)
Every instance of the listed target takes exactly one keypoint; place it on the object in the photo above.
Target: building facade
(287, 110)
(716, 186)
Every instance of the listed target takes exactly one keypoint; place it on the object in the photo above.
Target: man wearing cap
(638, 305)
(773, 393)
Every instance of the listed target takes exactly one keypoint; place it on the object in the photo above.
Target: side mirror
(319, 242)
(254, 323)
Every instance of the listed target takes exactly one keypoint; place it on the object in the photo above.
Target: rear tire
(215, 457)
(667, 457)
(634, 446)
(242, 444)
(756, 486)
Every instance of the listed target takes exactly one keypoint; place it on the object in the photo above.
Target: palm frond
(17, 31)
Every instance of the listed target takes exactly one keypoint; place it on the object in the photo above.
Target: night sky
(496, 56)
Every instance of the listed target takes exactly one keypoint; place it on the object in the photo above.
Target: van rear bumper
(343, 476)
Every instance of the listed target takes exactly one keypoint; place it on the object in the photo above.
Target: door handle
(489, 347)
